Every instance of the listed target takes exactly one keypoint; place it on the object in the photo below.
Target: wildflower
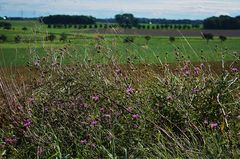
(129, 90)
(94, 123)
(102, 110)
(135, 117)
(93, 146)
(202, 66)
(27, 123)
(196, 71)
(195, 90)
(83, 142)
(234, 70)
(10, 141)
(213, 125)
(169, 98)
(95, 98)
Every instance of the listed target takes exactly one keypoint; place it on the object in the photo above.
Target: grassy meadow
(94, 96)
(33, 44)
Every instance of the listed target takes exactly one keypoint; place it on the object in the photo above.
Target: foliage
(63, 37)
(128, 39)
(171, 39)
(114, 111)
(50, 37)
(222, 38)
(3, 38)
(17, 39)
(207, 36)
(67, 19)
(222, 22)
(126, 20)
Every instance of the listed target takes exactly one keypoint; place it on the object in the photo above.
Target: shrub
(171, 39)
(24, 28)
(50, 37)
(17, 39)
(128, 39)
(3, 38)
(222, 38)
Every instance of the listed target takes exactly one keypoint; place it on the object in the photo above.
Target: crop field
(86, 44)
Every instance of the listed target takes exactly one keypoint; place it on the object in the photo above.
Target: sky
(170, 9)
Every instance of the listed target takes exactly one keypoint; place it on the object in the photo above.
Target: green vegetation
(17, 48)
(84, 95)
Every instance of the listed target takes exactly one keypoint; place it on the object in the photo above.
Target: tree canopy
(68, 19)
(222, 22)
(126, 20)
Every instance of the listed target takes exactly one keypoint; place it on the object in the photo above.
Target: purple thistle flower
(95, 98)
(10, 141)
(195, 90)
(169, 98)
(196, 71)
(202, 66)
(83, 142)
(234, 70)
(129, 90)
(213, 125)
(135, 117)
(94, 123)
(27, 123)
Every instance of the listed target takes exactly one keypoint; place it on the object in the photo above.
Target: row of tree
(67, 19)
(222, 22)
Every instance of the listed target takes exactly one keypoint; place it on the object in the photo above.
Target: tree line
(68, 19)
(222, 22)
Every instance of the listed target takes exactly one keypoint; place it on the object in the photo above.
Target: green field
(82, 46)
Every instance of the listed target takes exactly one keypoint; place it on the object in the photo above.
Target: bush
(171, 39)
(128, 39)
(3, 38)
(17, 39)
(24, 28)
(50, 37)
(222, 38)
(90, 111)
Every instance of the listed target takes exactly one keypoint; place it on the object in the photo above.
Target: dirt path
(197, 33)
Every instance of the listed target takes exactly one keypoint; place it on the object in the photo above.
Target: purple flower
(213, 125)
(95, 98)
(169, 98)
(196, 71)
(27, 123)
(10, 141)
(234, 70)
(93, 146)
(129, 90)
(83, 142)
(135, 117)
(202, 66)
(195, 90)
(94, 123)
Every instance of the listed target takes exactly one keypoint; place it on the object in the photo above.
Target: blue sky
(171, 9)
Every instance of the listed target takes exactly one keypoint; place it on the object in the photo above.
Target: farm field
(85, 44)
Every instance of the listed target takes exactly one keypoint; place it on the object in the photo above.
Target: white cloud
(152, 7)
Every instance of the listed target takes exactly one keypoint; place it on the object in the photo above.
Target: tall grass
(120, 111)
